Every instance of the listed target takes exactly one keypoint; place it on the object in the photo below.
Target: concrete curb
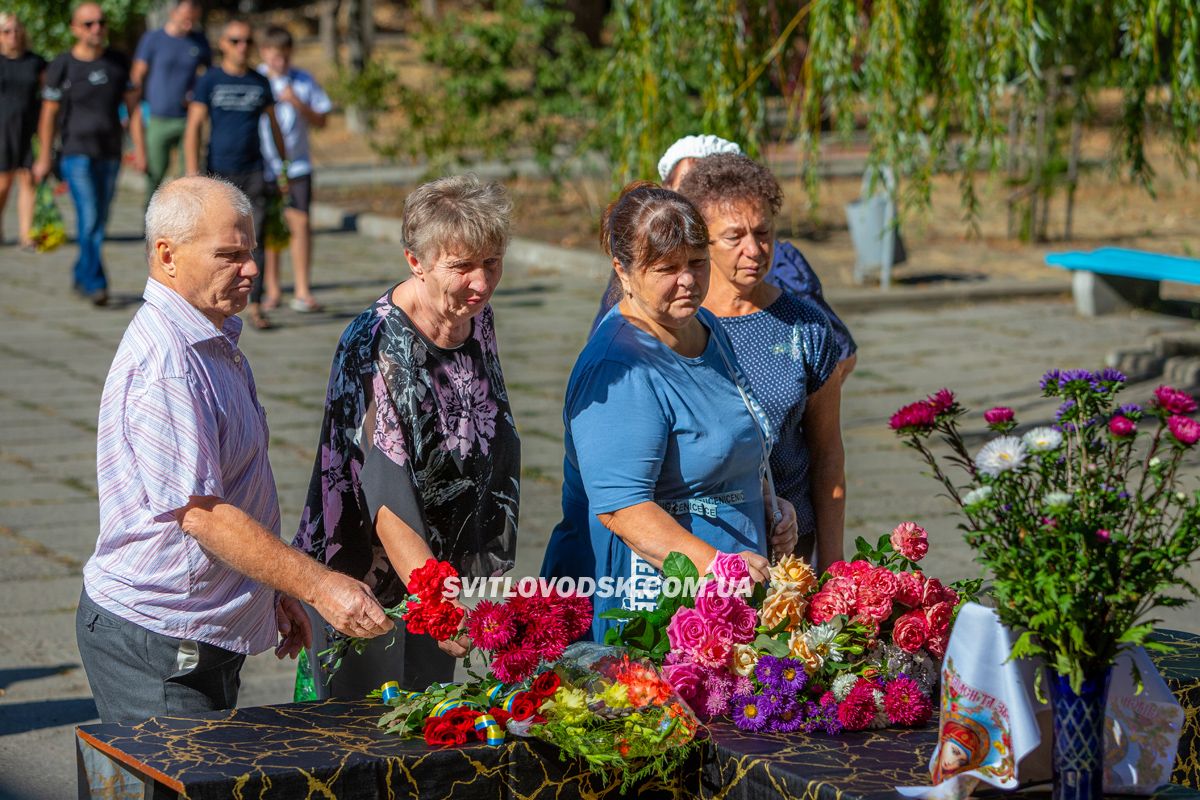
(542, 255)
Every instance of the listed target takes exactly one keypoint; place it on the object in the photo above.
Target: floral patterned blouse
(425, 431)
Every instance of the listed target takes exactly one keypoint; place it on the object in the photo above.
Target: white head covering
(694, 147)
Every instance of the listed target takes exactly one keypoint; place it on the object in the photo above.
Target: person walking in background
(84, 90)
(233, 97)
(300, 103)
(21, 74)
(165, 66)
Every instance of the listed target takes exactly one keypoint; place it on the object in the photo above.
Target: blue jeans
(92, 182)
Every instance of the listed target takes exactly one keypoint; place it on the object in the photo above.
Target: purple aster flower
(751, 712)
(1050, 382)
(788, 717)
(1109, 379)
(1131, 410)
(767, 669)
(1077, 376)
(1064, 409)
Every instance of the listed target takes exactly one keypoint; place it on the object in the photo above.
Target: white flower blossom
(1000, 455)
(1041, 440)
(977, 495)
(1057, 499)
(842, 685)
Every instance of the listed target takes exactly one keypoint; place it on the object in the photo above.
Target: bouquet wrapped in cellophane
(617, 713)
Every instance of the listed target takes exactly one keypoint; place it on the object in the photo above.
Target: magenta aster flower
(941, 401)
(905, 703)
(1174, 401)
(914, 418)
(1000, 415)
(491, 625)
(1185, 430)
(1121, 427)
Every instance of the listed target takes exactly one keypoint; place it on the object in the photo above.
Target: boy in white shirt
(300, 103)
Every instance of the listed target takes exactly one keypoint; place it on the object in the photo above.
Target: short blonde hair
(7, 17)
(458, 211)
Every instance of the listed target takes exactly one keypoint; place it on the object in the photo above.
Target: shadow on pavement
(10, 676)
(38, 714)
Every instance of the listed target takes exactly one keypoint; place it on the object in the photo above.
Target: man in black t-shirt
(233, 97)
(84, 90)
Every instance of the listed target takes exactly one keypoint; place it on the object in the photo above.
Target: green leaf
(677, 565)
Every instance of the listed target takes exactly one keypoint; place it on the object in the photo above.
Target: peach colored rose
(784, 603)
(794, 570)
(744, 658)
(798, 648)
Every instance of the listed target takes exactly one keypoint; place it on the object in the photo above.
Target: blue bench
(1113, 278)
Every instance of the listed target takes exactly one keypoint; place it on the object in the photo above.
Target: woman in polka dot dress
(784, 344)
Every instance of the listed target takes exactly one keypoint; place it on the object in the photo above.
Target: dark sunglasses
(233, 40)
(93, 23)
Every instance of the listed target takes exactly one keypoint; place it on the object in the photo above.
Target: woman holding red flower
(417, 476)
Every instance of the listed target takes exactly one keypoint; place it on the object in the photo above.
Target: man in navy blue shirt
(164, 69)
(232, 97)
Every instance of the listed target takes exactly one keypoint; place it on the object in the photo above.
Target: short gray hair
(176, 208)
(456, 211)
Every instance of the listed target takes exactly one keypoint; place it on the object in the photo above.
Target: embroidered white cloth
(994, 729)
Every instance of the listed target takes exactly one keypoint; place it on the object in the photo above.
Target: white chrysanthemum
(1000, 455)
(1041, 440)
(842, 685)
(977, 496)
(1057, 499)
(821, 635)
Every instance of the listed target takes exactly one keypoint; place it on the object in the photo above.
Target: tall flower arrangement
(1082, 523)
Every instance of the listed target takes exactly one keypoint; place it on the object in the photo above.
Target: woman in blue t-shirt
(783, 342)
(666, 447)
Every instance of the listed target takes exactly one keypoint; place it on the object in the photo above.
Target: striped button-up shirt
(180, 418)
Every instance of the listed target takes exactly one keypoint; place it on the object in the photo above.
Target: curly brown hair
(726, 179)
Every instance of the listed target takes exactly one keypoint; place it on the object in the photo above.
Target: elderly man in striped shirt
(189, 573)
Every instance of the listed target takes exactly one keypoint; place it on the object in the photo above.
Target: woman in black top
(20, 98)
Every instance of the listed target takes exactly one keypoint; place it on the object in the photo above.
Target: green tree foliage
(505, 80)
(48, 22)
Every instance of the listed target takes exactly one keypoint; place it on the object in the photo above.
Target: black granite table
(334, 749)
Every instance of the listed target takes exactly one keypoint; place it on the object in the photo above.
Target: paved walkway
(56, 350)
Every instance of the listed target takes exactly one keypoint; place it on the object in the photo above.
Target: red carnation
(441, 621)
(546, 684)
(429, 581)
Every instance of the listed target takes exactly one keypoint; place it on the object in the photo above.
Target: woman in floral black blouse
(418, 455)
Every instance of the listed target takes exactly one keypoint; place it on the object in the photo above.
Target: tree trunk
(1012, 162)
(1073, 161)
(429, 9)
(328, 34)
(359, 35)
(1049, 144)
(588, 17)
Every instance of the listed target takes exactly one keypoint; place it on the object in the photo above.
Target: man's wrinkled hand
(350, 607)
(295, 630)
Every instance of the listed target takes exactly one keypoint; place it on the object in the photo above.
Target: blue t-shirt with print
(788, 351)
(235, 102)
(644, 423)
(172, 62)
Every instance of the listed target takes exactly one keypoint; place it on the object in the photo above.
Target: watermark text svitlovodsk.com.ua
(604, 586)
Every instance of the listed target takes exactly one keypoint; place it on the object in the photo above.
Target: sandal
(271, 303)
(259, 320)
(305, 306)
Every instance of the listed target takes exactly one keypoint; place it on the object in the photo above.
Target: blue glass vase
(1079, 736)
